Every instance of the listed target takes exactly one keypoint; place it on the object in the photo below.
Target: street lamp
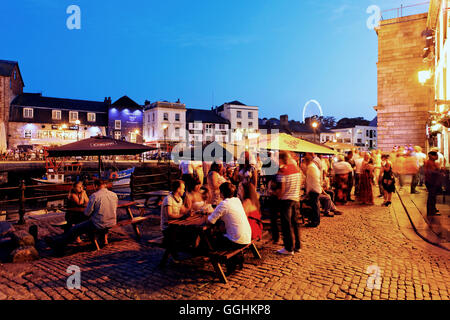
(77, 122)
(165, 133)
(314, 125)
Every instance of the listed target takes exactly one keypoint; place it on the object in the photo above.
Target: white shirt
(233, 215)
(358, 164)
(421, 157)
(342, 167)
(186, 167)
(440, 160)
(313, 179)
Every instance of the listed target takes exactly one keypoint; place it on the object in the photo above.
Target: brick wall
(403, 103)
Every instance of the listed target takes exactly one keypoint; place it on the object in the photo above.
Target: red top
(254, 219)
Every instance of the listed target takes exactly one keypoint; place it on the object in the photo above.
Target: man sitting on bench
(238, 232)
(102, 213)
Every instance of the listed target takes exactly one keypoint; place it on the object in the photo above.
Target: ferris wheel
(307, 104)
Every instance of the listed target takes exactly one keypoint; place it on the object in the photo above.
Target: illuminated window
(133, 137)
(73, 116)
(117, 135)
(27, 134)
(250, 124)
(117, 124)
(56, 114)
(28, 113)
(91, 117)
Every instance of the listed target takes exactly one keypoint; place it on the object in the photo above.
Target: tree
(351, 122)
(328, 122)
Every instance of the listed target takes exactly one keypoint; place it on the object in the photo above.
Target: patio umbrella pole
(99, 166)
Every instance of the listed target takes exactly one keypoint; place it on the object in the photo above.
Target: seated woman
(197, 198)
(77, 198)
(172, 208)
(238, 232)
(250, 201)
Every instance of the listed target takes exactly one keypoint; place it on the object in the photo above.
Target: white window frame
(164, 116)
(117, 135)
(91, 117)
(239, 114)
(56, 114)
(117, 125)
(179, 117)
(28, 113)
(73, 119)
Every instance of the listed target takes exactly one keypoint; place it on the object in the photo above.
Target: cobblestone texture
(332, 264)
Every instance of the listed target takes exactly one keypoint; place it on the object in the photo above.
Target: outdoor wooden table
(159, 195)
(196, 224)
(121, 205)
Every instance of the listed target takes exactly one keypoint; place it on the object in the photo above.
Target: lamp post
(314, 125)
(77, 122)
(165, 133)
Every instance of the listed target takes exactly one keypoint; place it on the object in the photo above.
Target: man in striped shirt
(289, 178)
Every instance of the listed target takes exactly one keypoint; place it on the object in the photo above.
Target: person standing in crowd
(421, 157)
(365, 195)
(246, 171)
(215, 179)
(313, 189)
(342, 171)
(351, 175)
(432, 182)
(187, 171)
(358, 164)
(289, 178)
(250, 201)
(238, 231)
(388, 181)
(399, 165)
(441, 159)
(274, 207)
(377, 166)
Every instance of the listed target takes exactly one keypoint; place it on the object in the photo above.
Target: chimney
(178, 101)
(284, 121)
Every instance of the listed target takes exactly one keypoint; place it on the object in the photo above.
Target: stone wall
(403, 103)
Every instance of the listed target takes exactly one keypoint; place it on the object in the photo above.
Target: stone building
(125, 120)
(403, 102)
(11, 85)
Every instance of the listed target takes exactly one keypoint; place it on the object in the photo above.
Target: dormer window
(28, 113)
(73, 116)
(56, 114)
(91, 117)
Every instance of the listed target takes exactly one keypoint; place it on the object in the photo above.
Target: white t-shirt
(233, 215)
(358, 165)
(342, 167)
(313, 179)
(421, 157)
(186, 167)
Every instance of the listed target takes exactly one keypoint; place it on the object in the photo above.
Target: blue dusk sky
(275, 54)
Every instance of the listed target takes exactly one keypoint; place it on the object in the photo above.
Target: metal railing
(421, 7)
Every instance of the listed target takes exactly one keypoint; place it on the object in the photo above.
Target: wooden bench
(132, 220)
(218, 257)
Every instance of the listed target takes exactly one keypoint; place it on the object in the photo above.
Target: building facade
(164, 124)
(11, 85)
(243, 119)
(35, 120)
(403, 102)
(362, 137)
(436, 63)
(206, 126)
(125, 120)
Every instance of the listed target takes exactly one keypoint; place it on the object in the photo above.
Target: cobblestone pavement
(334, 263)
